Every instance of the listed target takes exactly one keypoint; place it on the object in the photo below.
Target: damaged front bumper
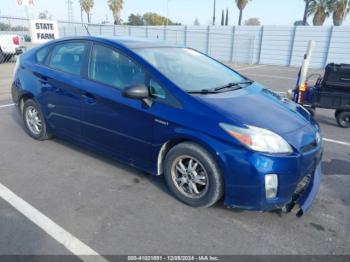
(305, 193)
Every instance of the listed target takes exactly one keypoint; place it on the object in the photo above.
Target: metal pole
(232, 43)
(329, 45)
(305, 68)
(214, 11)
(261, 44)
(167, 13)
(208, 39)
(81, 15)
(292, 46)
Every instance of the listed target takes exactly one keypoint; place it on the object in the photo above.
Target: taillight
(15, 40)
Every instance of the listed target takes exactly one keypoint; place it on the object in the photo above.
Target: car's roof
(129, 42)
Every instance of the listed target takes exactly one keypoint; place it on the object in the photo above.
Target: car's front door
(110, 121)
(60, 81)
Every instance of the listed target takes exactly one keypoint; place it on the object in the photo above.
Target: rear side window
(68, 57)
(41, 54)
(112, 68)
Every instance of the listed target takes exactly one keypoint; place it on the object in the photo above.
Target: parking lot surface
(116, 209)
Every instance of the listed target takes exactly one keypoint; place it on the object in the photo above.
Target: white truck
(10, 45)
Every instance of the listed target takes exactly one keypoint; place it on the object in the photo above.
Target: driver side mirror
(139, 92)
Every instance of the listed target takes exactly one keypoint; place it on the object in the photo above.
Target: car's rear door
(60, 80)
(112, 122)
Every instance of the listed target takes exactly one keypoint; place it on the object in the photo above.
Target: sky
(269, 12)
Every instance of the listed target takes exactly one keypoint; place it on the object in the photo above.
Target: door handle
(89, 98)
(43, 79)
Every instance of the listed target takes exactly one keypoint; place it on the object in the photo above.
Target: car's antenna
(87, 29)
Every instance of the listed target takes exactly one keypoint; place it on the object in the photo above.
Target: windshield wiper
(216, 89)
(233, 84)
(203, 91)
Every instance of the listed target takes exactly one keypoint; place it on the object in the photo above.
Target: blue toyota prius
(170, 110)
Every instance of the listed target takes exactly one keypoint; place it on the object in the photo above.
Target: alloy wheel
(189, 176)
(33, 120)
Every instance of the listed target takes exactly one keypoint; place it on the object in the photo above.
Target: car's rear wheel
(192, 175)
(34, 121)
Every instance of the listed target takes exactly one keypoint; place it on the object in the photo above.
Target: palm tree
(307, 3)
(87, 5)
(241, 4)
(222, 17)
(321, 9)
(116, 6)
(341, 9)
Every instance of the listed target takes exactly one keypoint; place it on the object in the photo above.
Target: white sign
(43, 30)
(25, 2)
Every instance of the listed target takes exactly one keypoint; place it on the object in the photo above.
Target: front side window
(112, 68)
(189, 69)
(156, 90)
(68, 57)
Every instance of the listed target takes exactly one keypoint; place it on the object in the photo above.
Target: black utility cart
(332, 91)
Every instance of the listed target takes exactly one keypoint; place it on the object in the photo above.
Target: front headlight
(258, 139)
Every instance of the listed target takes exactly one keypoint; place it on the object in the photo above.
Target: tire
(32, 116)
(337, 112)
(343, 119)
(203, 172)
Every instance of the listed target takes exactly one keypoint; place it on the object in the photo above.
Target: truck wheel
(343, 119)
(336, 113)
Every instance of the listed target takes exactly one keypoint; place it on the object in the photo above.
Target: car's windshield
(188, 69)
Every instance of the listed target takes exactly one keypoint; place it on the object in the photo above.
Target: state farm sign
(43, 30)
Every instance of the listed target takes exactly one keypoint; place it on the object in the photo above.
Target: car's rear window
(41, 54)
(68, 57)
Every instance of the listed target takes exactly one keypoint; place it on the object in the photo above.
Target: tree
(252, 21)
(321, 9)
(116, 6)
(87, 5)
(226, 22)
(222, 17)
(135, 20)
(306, 12)
(196, 22)
(300, 23)
(155, 19)
(241, 4)
(5, 27)
(341, 9)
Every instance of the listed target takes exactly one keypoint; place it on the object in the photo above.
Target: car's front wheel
(34, 121)
(193, 175)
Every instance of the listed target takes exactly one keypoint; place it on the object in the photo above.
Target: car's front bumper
(305, 200)
(245, 173)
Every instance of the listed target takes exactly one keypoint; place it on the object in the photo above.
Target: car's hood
(258, 106)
